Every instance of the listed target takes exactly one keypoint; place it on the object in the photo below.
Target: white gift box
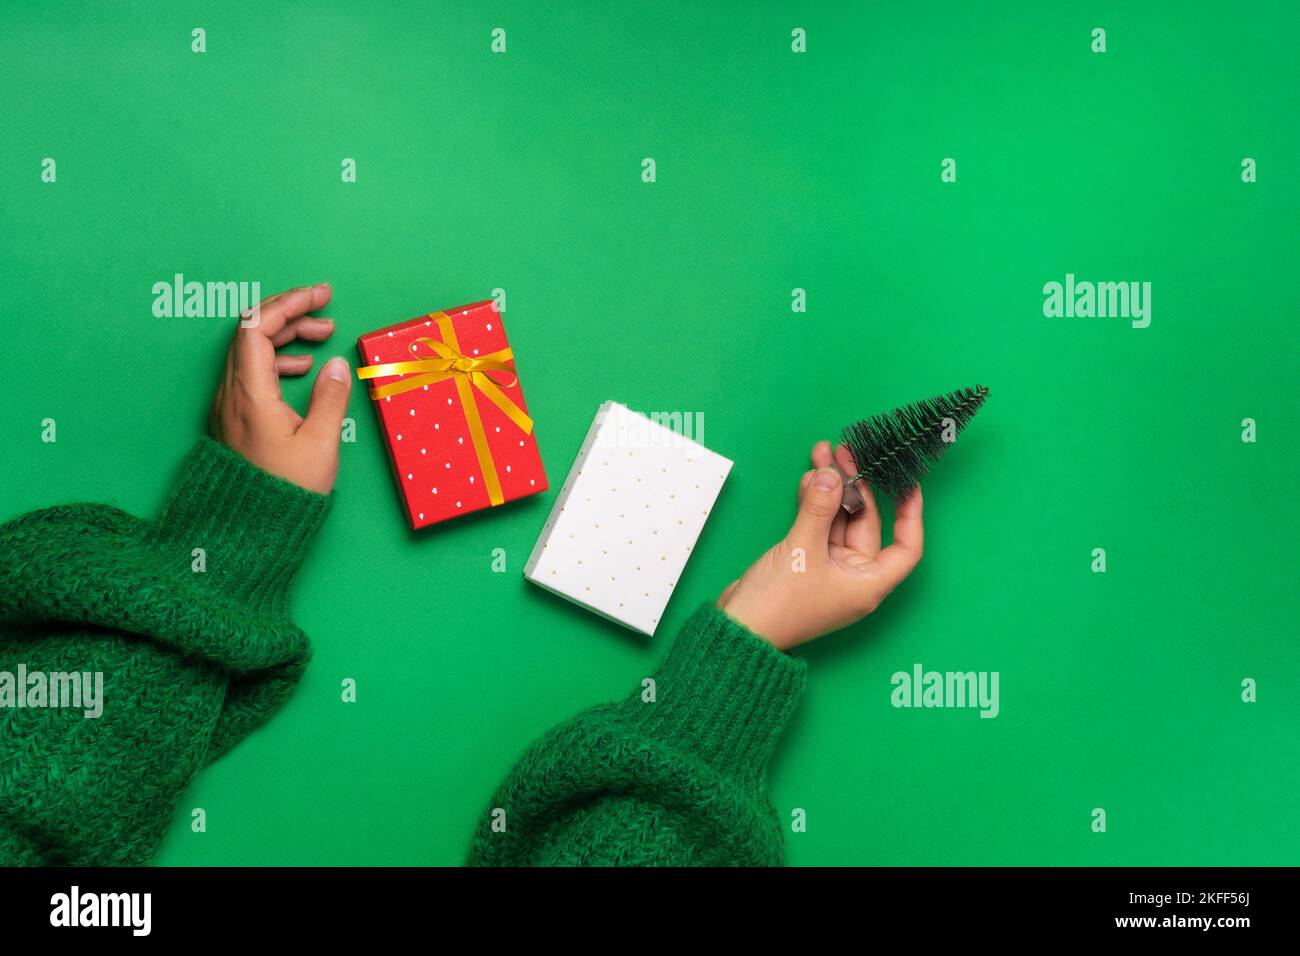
(627, 517)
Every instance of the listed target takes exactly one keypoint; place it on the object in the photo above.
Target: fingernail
(337, 368)
(321, 285)
(827, 479)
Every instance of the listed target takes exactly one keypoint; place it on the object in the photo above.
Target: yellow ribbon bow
(465, 371)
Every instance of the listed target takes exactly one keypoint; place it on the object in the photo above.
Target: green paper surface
(775, 171)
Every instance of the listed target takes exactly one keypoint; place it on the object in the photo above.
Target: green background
(776, 170)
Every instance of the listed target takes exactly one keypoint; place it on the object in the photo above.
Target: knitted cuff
(253, 527)
(722, 693)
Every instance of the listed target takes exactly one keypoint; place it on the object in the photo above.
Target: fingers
(818, 507)
(307, 328)
(277, 310)
(897, 561)
(862, 532)
(329, 402)
(254, 351)
(836, 535)
(822, 458)
(292, 364)
(908, 527)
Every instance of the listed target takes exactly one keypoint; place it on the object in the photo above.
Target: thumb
(329, 401)
(817, 509)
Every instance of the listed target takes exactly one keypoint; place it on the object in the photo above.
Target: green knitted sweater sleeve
(676, 778)
(186, 619)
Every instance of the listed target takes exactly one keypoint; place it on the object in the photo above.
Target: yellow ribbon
(465, 371)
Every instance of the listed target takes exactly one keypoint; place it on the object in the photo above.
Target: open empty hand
(248, 413)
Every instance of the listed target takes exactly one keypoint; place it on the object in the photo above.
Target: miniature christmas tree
(894, 451)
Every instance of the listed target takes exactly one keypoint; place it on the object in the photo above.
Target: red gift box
(453, 412)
